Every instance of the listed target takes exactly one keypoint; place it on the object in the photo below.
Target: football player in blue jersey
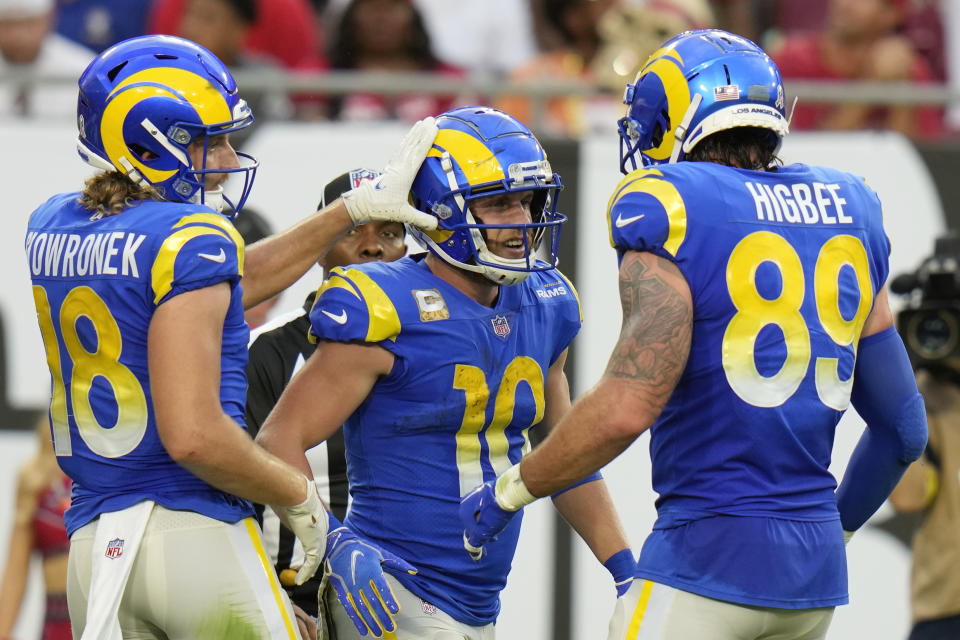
(442, 368)
(754, 314)
(137, 283)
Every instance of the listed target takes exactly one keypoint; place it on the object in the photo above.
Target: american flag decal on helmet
(726, 92)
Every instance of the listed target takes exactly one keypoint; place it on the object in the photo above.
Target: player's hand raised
(387, 196)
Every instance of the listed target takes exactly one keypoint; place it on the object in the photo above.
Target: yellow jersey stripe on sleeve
(384, 319)
(625, 181)
(335, 280)
(576, 295)
(161, 274)
(221, 223)
(669, 198)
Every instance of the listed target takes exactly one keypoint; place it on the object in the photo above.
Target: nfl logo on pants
(114, 548)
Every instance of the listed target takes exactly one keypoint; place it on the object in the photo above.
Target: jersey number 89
(754, 312)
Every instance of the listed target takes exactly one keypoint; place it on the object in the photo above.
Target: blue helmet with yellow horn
(144, 100)
(696, 84)
(481, 152)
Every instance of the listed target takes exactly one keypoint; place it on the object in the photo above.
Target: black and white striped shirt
(277, 350)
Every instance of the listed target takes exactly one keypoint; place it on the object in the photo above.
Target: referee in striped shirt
(278, 349)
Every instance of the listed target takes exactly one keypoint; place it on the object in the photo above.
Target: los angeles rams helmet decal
(698, 83)
(144, 100)
(481, 152)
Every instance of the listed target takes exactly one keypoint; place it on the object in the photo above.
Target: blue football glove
(482, 518)
(355, 569)
(623, 567)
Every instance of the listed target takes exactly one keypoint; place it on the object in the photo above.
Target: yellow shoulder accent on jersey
(336, 283)
(384, 319)
(478, 163)
(331, 283)
(650, 181)
(161, 273)
(573, 290)
(218, 221)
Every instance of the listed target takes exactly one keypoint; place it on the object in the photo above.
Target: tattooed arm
(643, 370)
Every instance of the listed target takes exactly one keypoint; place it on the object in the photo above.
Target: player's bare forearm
(273, 264)
(335, 380)
(227, 459)
(643, 370)
(589, 509)
(184, 360)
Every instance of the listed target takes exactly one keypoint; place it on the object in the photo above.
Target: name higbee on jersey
(799, 203)
(71, 254)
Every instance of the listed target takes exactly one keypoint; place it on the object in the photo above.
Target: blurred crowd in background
(593, 46)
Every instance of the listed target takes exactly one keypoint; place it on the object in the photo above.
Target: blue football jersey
(783, 269)
(466, 386)
(97, 281)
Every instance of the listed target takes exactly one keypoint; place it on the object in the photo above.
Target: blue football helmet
(481, 152)
(696, 84)
(144, 100)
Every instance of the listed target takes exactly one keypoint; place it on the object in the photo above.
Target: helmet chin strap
(681, 131)
(212, 198)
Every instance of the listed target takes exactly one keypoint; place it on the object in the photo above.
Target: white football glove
(386, 197)
(310, 523)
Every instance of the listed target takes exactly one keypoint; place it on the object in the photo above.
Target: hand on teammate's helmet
(387, 196)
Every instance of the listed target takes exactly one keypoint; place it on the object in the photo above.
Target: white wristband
(511, 492)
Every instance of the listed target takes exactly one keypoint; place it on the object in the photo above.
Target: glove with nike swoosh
(355, 569)
(387, 196)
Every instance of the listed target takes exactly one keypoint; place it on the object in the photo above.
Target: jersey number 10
(472, 381)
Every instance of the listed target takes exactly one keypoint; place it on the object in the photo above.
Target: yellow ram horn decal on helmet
(478, 163)
(668, 67)
(196, 90)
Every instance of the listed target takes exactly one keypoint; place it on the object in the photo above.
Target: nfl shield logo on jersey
(114, 548)
(500, 326)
